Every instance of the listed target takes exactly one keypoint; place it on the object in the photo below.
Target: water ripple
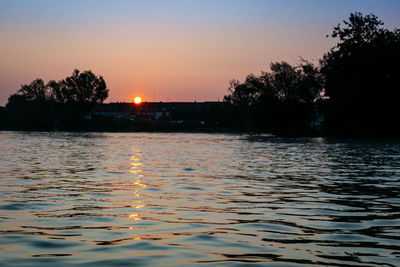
(181, 199)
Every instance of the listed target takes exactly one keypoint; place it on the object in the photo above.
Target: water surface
(126, 199)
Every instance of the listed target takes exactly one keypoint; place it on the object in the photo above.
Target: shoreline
(262, 136)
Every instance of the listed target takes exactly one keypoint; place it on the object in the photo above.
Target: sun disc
(137, 100)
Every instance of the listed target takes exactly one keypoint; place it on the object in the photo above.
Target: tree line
(354, 91)
(56, 104)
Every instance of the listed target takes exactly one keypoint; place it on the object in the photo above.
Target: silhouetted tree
(362, 78)
(280, 101)
(33, 114)
(79, 87)
(3, 118)
(61, 104)
(35, 91)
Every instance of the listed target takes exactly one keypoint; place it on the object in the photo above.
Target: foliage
(279, 100)
(35, 91)
(82, 87)
(79, 87)
(362, 78)
(40, 106)
(359, 79)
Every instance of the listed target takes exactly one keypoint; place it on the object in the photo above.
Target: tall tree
(362, 78)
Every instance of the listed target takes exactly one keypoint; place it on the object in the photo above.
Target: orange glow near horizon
(137, 100)
(166, 51)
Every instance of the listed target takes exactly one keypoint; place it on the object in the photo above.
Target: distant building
(116, 110)
(151, 110)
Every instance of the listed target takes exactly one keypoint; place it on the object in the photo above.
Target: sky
(186, 50)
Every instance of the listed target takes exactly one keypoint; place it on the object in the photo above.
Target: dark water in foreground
(181, 199)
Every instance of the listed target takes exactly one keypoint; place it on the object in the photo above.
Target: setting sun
(137, 100)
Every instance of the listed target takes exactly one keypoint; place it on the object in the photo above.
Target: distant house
(151, 110)
(115, 110)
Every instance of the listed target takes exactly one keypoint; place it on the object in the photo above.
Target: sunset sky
(166, 50)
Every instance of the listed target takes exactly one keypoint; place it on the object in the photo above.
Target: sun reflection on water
(136, 171)
(135, 216)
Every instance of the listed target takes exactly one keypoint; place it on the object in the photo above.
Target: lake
(168, 199)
